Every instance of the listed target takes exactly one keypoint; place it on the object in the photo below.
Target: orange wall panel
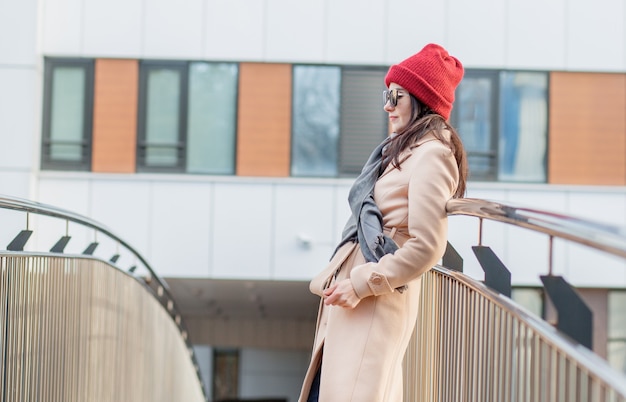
(587, 142)
(115, 116)
(264, 120)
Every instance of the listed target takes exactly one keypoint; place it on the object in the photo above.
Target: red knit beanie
(431, 76)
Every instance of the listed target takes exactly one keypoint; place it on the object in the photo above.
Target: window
(225, 374)
(187, 117)
(616, 342)
(524, 126)
(529, 298)
(211, 119)
(338, 119)
(315, 127)
(475, 118)
(162, 128)
(67, 114)
(363, 121)
(502, 118)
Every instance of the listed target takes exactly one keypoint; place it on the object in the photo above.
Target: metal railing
(473, 344)
(78, 328)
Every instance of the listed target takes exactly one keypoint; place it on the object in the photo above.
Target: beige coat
(361, 349)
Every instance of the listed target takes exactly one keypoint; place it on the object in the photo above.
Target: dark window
(225, 374)
(67, 114)
(363, 120)
(161, 123)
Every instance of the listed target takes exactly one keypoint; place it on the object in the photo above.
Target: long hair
(423, 121)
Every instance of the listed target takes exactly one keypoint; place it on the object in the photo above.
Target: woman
(397, 231)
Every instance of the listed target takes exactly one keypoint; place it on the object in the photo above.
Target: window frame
(47, 163)
(181, 148)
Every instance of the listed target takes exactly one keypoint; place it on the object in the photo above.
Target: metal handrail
(461, 291)
(591, 361)
(23, 205)
(605, 237)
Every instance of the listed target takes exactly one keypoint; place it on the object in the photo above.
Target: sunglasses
(391, 96)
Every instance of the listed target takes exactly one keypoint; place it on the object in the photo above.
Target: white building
(220, 137)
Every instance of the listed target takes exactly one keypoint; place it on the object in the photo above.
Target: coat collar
(409, 151)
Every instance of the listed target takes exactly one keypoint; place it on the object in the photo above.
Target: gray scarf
(365, 225)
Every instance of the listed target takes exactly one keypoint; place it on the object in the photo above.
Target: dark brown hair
(423, 121)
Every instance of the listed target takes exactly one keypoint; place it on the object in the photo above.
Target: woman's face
(398, 105)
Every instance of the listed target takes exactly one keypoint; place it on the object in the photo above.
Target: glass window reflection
(315, 130)
(524, 126)
(211, 119)
(475, 122)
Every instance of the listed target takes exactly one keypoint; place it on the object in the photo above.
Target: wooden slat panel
(115, 116)
(587, 129)
(264, 120)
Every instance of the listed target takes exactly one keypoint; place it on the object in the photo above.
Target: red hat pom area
(431, 75)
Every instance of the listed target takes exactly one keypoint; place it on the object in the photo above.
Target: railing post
(575, 318)
(497, 276)
(452, 259)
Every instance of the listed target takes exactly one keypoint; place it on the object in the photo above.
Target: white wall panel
(342, 210)
(591, 268)
(248, 229)
(12, 223)
(181, 228)
(66, 193)
(17, 123)
(113, 28)
(125, 208)
(462, 235)
(15, 183)
(476, 32)
(595, 35)
(528, 256)
(586, 266)
(235, 30)
(62, 32)
(356, 31)
(410, 25)
(295, 30)
(535, 34)
(303, 214)
(600, 206)
(243, 226)
(18, 30)
(173, 29)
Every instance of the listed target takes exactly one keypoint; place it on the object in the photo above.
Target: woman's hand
(341, 294)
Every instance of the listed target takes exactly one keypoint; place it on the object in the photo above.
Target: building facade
(220, 137)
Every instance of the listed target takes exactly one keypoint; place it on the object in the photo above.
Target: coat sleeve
(432, 182)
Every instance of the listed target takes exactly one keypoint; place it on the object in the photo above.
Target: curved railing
(75, 327)
(604, 237)
(472, 344)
